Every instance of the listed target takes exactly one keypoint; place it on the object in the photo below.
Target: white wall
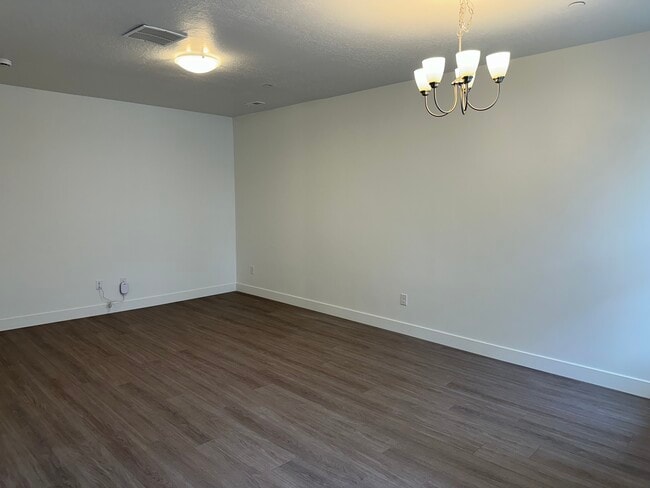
(522, 233)
(95, 189)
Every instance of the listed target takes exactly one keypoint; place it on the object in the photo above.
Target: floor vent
(162, 37)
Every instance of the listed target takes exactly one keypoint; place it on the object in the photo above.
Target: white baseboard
(100, 309)
(615, 381)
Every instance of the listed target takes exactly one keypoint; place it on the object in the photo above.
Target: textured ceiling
(307, 49)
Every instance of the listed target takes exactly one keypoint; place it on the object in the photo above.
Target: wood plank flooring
(237, 391)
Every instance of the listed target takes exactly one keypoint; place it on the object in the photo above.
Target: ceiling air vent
(162, 37)
(256, 103)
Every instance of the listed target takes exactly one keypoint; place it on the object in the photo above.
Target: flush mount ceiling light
(197, 63)
(429, 76)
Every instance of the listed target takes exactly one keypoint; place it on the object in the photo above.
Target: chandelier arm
(435, 99)
(478, 109)
(463, 99)
(426, 105)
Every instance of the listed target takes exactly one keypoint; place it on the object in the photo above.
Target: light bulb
(197, 63)
(497, 64)
(421, 80)
(434, 69)
(467, 62)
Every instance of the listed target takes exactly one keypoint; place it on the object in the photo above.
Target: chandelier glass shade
(428, 77)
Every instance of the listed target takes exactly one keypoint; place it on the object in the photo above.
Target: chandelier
(428, 77)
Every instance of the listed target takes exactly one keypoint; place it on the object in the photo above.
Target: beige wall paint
(94, 189)
(526, 227)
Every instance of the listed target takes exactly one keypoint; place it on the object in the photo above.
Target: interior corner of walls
(635, 386)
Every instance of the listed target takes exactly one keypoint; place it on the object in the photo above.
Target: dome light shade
(421, 80)
(197, 63)
(434, 69)
(497, 64)
(467, 62)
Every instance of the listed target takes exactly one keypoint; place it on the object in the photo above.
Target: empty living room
(324, 244)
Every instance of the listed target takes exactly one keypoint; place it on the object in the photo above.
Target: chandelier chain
(465, 15)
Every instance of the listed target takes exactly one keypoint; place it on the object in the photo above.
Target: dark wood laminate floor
(237, 391)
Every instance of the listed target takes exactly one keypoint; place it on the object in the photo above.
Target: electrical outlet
(252, 269)
(99, 285)
(403, 299)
